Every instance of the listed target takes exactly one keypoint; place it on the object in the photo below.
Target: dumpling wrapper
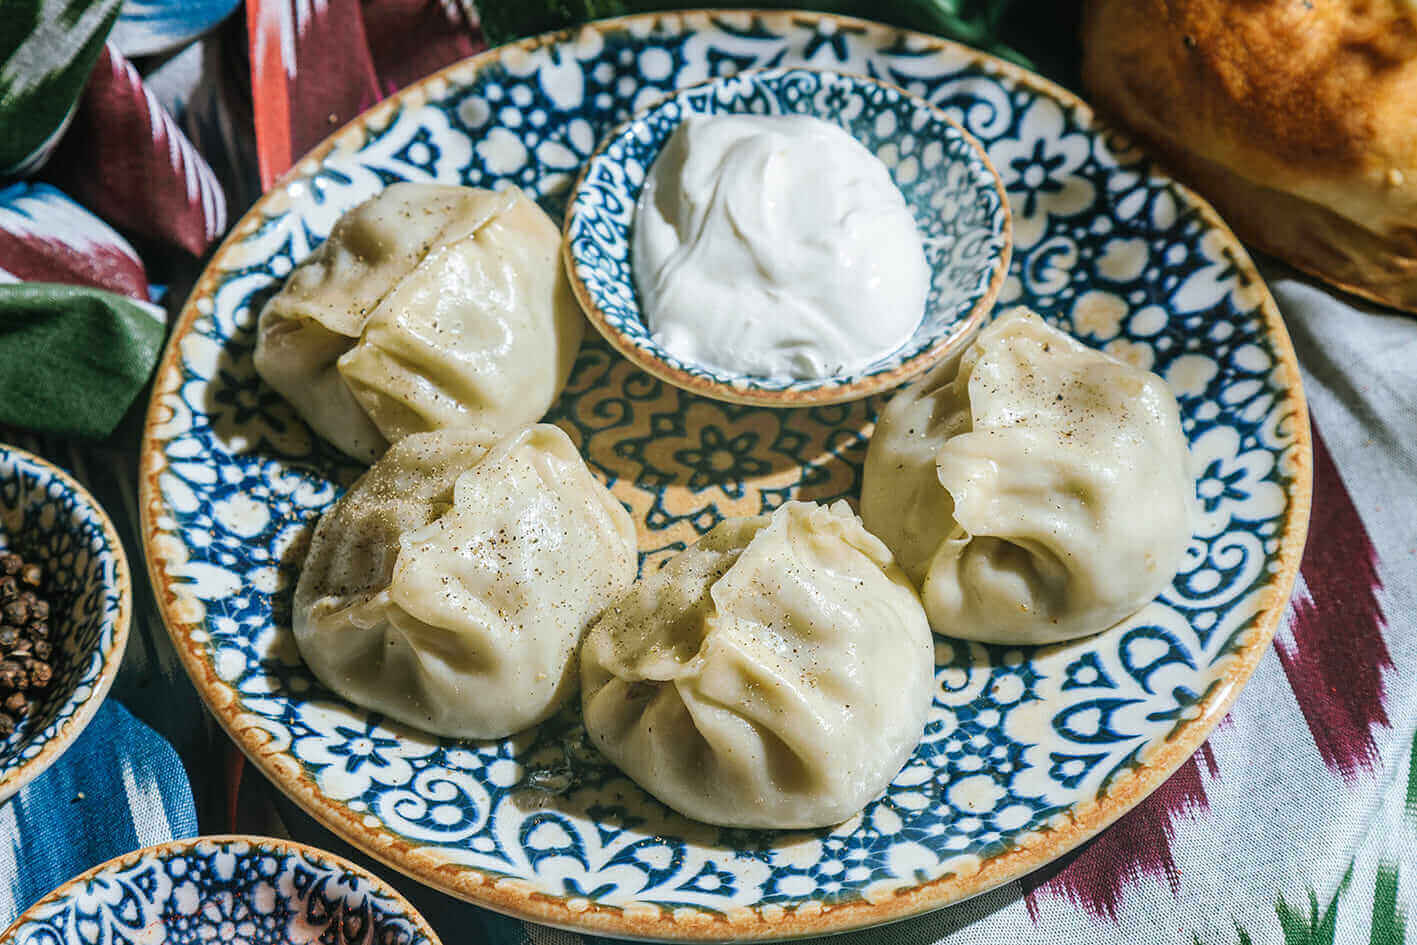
(776, 674)
(1036, 490)
(429, 306)
(449, 588)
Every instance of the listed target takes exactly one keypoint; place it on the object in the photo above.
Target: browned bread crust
(1296, 118)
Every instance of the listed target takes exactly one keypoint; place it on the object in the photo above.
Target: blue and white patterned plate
(944, 175)
(234, 890)
(51, 520)
(1028, 752)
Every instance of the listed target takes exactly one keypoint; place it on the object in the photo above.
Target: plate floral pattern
(235, 890)
(51, 520)
(1027, 751)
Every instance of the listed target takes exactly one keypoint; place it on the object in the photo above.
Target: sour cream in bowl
(776, 246)
(788, 237)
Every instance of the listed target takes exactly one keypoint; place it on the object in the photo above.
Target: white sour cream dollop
(776, 246)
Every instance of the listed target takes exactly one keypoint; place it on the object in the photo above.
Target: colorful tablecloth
(132, 151)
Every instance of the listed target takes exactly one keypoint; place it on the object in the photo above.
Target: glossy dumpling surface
(1035, 489)
(776, 674)
(429, 306)
(450, 586)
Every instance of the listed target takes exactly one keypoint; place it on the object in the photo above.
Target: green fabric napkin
(72, 360)
(1041, 36)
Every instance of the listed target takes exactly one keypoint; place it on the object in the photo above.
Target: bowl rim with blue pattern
(268, 724)
(605, 287)
(215, 844)
(87, 684)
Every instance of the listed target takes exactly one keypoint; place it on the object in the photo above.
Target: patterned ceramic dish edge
(38, 498)
(155, 895)
(967, 249)
(183, 611)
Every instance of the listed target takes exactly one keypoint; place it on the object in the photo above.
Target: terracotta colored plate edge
(513, 897)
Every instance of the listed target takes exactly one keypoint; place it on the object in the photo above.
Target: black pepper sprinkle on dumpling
(460, 315)
(449, 588)
(776, 674)
(1036, 490)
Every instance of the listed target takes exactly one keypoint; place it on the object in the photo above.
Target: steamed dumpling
(429, 306)
(776, 674)
(450, 586)
(1035, 490)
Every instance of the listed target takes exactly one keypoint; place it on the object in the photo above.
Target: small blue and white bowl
(234, 890)
(51, 520)
(944, 174)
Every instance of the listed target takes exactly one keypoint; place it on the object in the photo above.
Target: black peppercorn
(25, 670)
(17, 705)
(17, 613)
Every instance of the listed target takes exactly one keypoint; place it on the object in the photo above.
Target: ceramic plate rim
(70, 729)
(254, 841)
(828, 393)
(513, 898)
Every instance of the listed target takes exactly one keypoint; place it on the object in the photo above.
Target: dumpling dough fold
(776, 674)
(450, 586)
(1035, 489)
(429, 306)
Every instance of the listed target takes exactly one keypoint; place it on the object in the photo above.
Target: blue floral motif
(1231, 483)
(1086, 672)
(1040, 169)
(369, 744)
(1070, 769)
(196, 892)
(1094, 722)
(721, 459)
(1145, 650)
(1017, 737)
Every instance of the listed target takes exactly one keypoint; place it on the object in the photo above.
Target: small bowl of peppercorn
(65, 604)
